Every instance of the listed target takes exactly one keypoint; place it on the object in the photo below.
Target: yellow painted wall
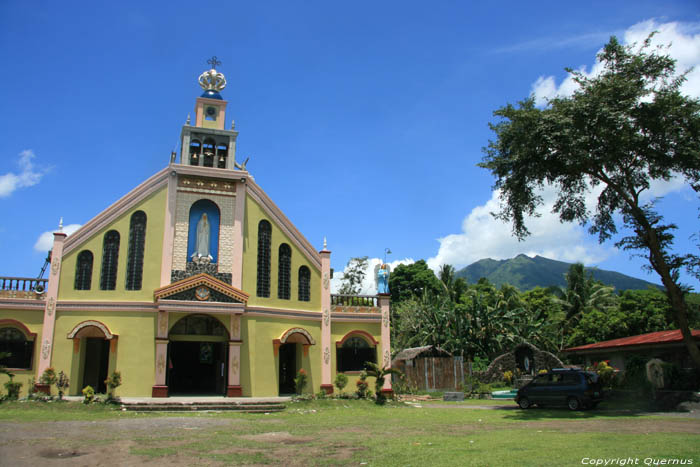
(154, 207)
(253, 215)
(135, 350)
(258, 332)
(33, 320)
(338, 331)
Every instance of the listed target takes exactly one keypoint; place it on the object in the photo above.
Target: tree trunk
(673, 291)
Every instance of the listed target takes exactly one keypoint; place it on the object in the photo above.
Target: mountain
(525, 273)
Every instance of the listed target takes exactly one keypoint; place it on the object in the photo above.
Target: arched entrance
(290, 348)
(93, 343)
(198, 356)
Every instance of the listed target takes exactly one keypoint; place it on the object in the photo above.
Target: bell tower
(208, 143)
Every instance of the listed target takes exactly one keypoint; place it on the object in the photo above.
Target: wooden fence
(433, 373)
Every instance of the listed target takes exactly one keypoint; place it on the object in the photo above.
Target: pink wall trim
(297, 330)
(101, 326)
(169, 231)
(183, 306)
(368, 337)
(209, 172)
(117, 209)
(22, 304)
(384, 303)
(29, 335)
(93, 306)
(47, 330)
(238, 220)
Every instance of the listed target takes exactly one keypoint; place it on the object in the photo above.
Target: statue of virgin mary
(201, 246)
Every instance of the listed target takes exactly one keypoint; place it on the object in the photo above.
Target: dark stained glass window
(304, 284)
(19, 348)
(83, 271)
(137, 240)
(199, 325)
(354, 355)
(110, 258)
(264, 239)
(284, 274)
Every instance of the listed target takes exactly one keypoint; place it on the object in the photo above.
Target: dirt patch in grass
(282, 437)
(617, 426)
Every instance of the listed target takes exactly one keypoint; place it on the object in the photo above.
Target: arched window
(18, 346)
(208, 150)
(195, 152)
(284, 272)
(354, 353)
(137, 240)
(110, 258)
(199, 325)
(304, 284)
(83, 271)
(221, 154)
(264, 238)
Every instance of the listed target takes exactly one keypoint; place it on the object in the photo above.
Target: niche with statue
(524, 361)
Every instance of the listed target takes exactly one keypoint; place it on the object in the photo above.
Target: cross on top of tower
(213, 61)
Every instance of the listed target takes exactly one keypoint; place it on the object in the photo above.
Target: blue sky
(363, 121)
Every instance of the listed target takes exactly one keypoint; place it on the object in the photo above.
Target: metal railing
(23, 284)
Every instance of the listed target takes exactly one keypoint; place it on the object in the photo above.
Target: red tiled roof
(659, 337)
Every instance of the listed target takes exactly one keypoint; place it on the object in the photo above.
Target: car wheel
(524, 403)
(573, 403)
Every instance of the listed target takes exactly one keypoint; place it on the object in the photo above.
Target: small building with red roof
(665, 345)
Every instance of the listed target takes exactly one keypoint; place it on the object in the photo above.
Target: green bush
(89, 394)
(606, 374)
(62, 383)
(340, 381)
(48, 376)
(635, 376)
(362, 385)
(300, 381)
(680, 380)
(113, 382)
(13, 388)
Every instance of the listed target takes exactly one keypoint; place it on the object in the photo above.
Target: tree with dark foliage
(621, 130)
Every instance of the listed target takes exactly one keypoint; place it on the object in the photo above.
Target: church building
(193, 283)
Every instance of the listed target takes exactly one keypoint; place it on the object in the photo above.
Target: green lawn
(343, 432)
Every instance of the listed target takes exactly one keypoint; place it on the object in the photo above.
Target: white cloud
(483, 236)
(369, 287)
(659, 187)
(29, 175)
(45, 241)
(684, 40)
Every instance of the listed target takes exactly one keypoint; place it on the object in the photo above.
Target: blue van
(575, 389)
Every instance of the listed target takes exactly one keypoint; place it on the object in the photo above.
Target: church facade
(193, 283)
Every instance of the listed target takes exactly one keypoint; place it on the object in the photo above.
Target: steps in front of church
(191, 404)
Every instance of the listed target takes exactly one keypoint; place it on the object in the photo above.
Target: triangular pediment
(203, 288)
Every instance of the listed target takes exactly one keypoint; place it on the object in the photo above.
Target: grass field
(342, 432)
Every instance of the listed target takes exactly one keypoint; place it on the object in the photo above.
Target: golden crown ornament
(212, 80)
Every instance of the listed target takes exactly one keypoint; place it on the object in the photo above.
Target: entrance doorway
(96, 363)
(288, 368)
(198, 357)
(198, 367)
